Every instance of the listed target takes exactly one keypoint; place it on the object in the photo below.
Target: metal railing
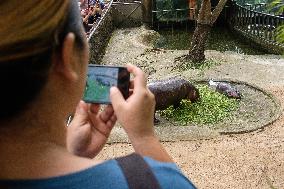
(257, 25)
(98, 23)
(100, 35)
(127, 13)
(175, 14)
(133, 7)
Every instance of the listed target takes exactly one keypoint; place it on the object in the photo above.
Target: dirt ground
(251, 160)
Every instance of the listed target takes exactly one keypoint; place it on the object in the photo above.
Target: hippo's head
(193, 95)
(235, 94)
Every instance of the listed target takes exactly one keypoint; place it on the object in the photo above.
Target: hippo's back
(169, 91)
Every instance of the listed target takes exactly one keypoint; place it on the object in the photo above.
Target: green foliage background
(242, 2)
(277, 6)
(172, 5)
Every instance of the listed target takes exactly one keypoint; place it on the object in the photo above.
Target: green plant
(201, 67)
(280, 34)
(208, 63)
(277, 6)
(212, 107)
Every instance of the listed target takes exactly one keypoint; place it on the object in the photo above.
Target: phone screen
(101, 78)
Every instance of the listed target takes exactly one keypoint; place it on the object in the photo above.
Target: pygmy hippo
(171, 91)
(226, 89)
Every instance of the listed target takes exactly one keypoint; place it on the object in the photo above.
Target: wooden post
(192, 9)
(147, 9)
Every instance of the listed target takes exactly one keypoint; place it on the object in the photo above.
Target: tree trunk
(198, 43)
(147, 11)
(205, 21)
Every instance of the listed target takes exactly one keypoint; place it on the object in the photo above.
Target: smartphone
(101, 78)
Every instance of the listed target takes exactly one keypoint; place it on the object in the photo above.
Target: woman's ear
(65, 65)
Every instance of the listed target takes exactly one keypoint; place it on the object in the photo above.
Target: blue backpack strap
(137, 172)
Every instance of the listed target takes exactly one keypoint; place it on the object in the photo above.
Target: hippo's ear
(193, 96)
(239, 94)
(196, 95)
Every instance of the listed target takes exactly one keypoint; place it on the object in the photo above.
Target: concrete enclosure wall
(117, 15)
(99, 37)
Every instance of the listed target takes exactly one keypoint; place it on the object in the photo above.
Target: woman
(43, 65)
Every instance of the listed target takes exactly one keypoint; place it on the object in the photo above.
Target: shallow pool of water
(220, 39)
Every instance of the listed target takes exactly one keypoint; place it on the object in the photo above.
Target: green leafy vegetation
(170, 6)
(277, 6)
(252, 2)
(212, 107)
(280, 34)
(200, 66)
(183, 64)
(220, 39)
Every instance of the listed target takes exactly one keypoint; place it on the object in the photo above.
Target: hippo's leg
(176, 105)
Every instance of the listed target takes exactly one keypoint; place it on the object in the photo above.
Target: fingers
(130, 92)
(107, 114)
(131, 85)
(81, 109)
(116, 98)
(81, 114)
(113, 118)
(111, 122)
(99, 125)
(103, 121)
(140, 79)
(95, 108)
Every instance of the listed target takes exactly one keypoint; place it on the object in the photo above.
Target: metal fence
(100, 35)
(259, 26)
(127, 13)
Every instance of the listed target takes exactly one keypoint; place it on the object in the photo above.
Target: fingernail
(80, 107)
(113, 89)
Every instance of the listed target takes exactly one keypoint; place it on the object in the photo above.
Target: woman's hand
(136, 114)
(89, 130)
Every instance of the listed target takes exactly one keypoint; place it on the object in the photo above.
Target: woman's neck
(35, 148)
(34, 126)
(39, 160)
(33, 132)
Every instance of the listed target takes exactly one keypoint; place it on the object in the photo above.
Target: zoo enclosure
(250, 21)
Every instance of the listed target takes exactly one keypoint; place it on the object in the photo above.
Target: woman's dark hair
(22, 80)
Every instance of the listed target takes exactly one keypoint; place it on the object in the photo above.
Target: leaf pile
(184, 64)
(212, 108)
